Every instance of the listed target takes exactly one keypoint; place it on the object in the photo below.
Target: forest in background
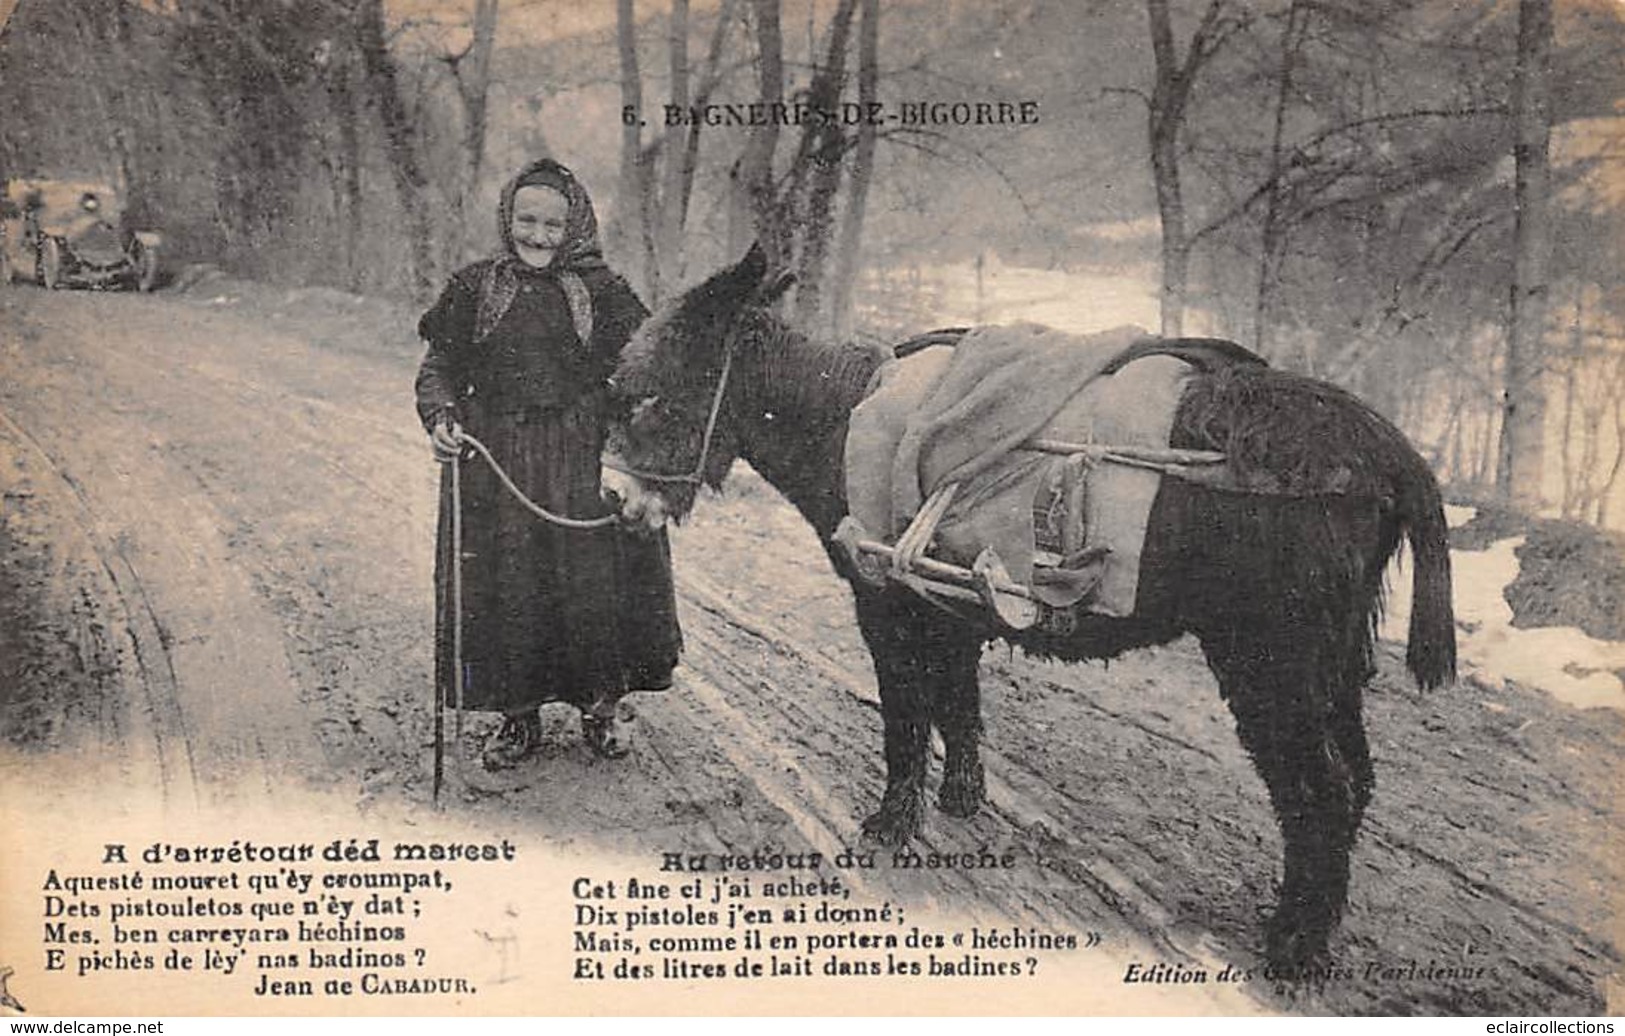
(1419, 199)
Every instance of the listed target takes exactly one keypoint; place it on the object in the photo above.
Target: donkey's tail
(1431, 650)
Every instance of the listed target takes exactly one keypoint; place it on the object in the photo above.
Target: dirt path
(215, 565)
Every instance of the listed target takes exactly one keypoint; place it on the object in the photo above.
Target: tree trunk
(754, 211)
(1167, 111)
(1571, 391)
(1521, 463)
(1173, 78)
(819, 164)
(680, 149)
(673, 214)
(1273, 234)
(475, 85)
(850, 244)
(471, 71)
(348, 176)
(1606, 493)
(1175, 249)
(401, 141)
(626, 229)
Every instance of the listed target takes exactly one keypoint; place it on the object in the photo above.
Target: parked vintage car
(66, 233)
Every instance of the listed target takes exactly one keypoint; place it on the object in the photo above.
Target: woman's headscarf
(578, 252)
(580, 247)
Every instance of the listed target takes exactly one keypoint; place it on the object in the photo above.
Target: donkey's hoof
(962, 797)
(893, 825)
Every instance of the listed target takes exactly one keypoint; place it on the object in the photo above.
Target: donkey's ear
(753, 267)
(731, 287)
(773, 287)
(766, 287)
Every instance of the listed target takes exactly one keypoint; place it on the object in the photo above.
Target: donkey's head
(673, 385)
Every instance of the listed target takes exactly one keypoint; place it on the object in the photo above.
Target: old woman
(520, 347)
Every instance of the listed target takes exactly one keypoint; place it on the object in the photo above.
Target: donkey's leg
(897, 635)
(1286, 716)
(1348, 727)
(956, 697)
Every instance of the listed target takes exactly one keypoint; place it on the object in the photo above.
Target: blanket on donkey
(960, 414)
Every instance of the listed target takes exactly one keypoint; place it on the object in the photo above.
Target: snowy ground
(1574, 668)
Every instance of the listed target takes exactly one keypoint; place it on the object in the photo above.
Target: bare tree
(338, 68)
(263, 80)
(753, 210)
(400, 136)
(470, 70)
(1521, 465)
(815, 174)
(791, 205)
(673, 207)
(668, 195)
(850, 242)
(630, 225)
(1273, 232)
(1591, 449)
(1174, 78)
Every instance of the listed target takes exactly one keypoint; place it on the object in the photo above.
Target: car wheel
(146, 267)
(48, 264)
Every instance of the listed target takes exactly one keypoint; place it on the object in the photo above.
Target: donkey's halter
(697, 476)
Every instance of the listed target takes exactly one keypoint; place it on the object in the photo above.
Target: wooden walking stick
(457, 674)
(456, 633)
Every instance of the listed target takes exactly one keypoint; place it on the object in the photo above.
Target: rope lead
(530, 505)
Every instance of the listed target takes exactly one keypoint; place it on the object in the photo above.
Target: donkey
(1283, 592)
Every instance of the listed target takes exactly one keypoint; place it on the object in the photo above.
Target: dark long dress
(549, 613)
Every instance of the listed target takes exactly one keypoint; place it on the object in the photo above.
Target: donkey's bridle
(696, 476)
